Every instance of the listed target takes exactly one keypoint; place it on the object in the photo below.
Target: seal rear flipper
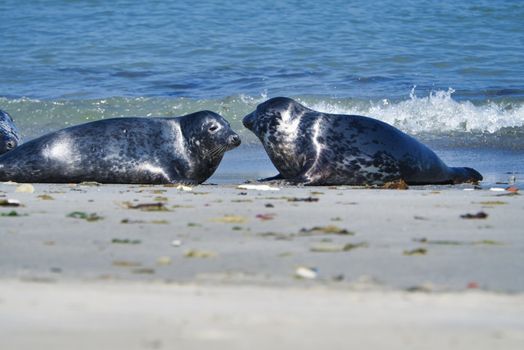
(272, 178)
(464, 174)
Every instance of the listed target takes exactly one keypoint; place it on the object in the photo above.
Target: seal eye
(10, 145)
(213, 128)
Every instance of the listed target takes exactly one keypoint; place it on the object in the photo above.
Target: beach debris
(513, 189)
(332, 248)
(303, 272)
(285, 254)
(45, 197)
(417, 217)
(316, 193)
(306, 199)
(472, 285)
(351, 246)
(396, 185)
(9, 202)
(144, 271)
(159, 222)
(241, 201)
(176, 243)
(338, 278)
(84, 216)
(157, 206)
(193, 224)
(129, 221)
(277, 236)
(126, 263)
(450, 242)
(497, 189)
(258, 187)
(329, 229)
(180, 206)
(125, 241)
(164, 260)
(416, 251)
(269, 205)
(419, 289)
(90, 183)
(491, 203)
(237, 228)
(25, 188)
(479, 215)
(160, 199)
(184, 188)
(201, 254)
(12, 213)
(266, 217)
(231, 219)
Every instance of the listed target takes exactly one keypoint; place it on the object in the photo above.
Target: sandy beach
(161, 267)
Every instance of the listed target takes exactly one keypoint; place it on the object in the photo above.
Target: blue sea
(449, 72)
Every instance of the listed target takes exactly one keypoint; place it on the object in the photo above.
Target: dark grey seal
(9, 137)
(312, 148)
(185, 149)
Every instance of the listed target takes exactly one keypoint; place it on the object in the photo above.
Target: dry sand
(80, 267)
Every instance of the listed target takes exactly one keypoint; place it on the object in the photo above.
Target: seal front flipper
(464, 174)
(272, 178)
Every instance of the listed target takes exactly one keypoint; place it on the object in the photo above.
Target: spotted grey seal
(185, 149)
(9, 137)
(312, 148)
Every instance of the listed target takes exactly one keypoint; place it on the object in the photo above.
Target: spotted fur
(185, 149)
(313, 148)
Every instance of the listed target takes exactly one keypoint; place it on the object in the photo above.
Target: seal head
(9, 136)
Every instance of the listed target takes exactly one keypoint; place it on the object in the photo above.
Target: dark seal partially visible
(313, 148)
(185, 149)
(9, 138)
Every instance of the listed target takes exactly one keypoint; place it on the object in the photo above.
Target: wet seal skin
(313, 148)
(9, 136)
(185, 150)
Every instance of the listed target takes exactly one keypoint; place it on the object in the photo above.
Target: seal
(9, 136)
(185, 149)
(313, 148)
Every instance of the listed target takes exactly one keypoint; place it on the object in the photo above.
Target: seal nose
(248, 121)
(234, 140)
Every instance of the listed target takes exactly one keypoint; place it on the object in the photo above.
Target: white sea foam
(436, 113)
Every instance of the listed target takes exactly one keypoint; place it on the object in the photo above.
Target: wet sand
(158, 267)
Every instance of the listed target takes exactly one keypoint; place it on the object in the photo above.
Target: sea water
(450, 73)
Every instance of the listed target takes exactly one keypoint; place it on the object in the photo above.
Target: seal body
(313, 148)
(9, 136)
(185, 149)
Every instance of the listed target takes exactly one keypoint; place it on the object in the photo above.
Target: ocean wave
(436, 113)
(437, 118)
